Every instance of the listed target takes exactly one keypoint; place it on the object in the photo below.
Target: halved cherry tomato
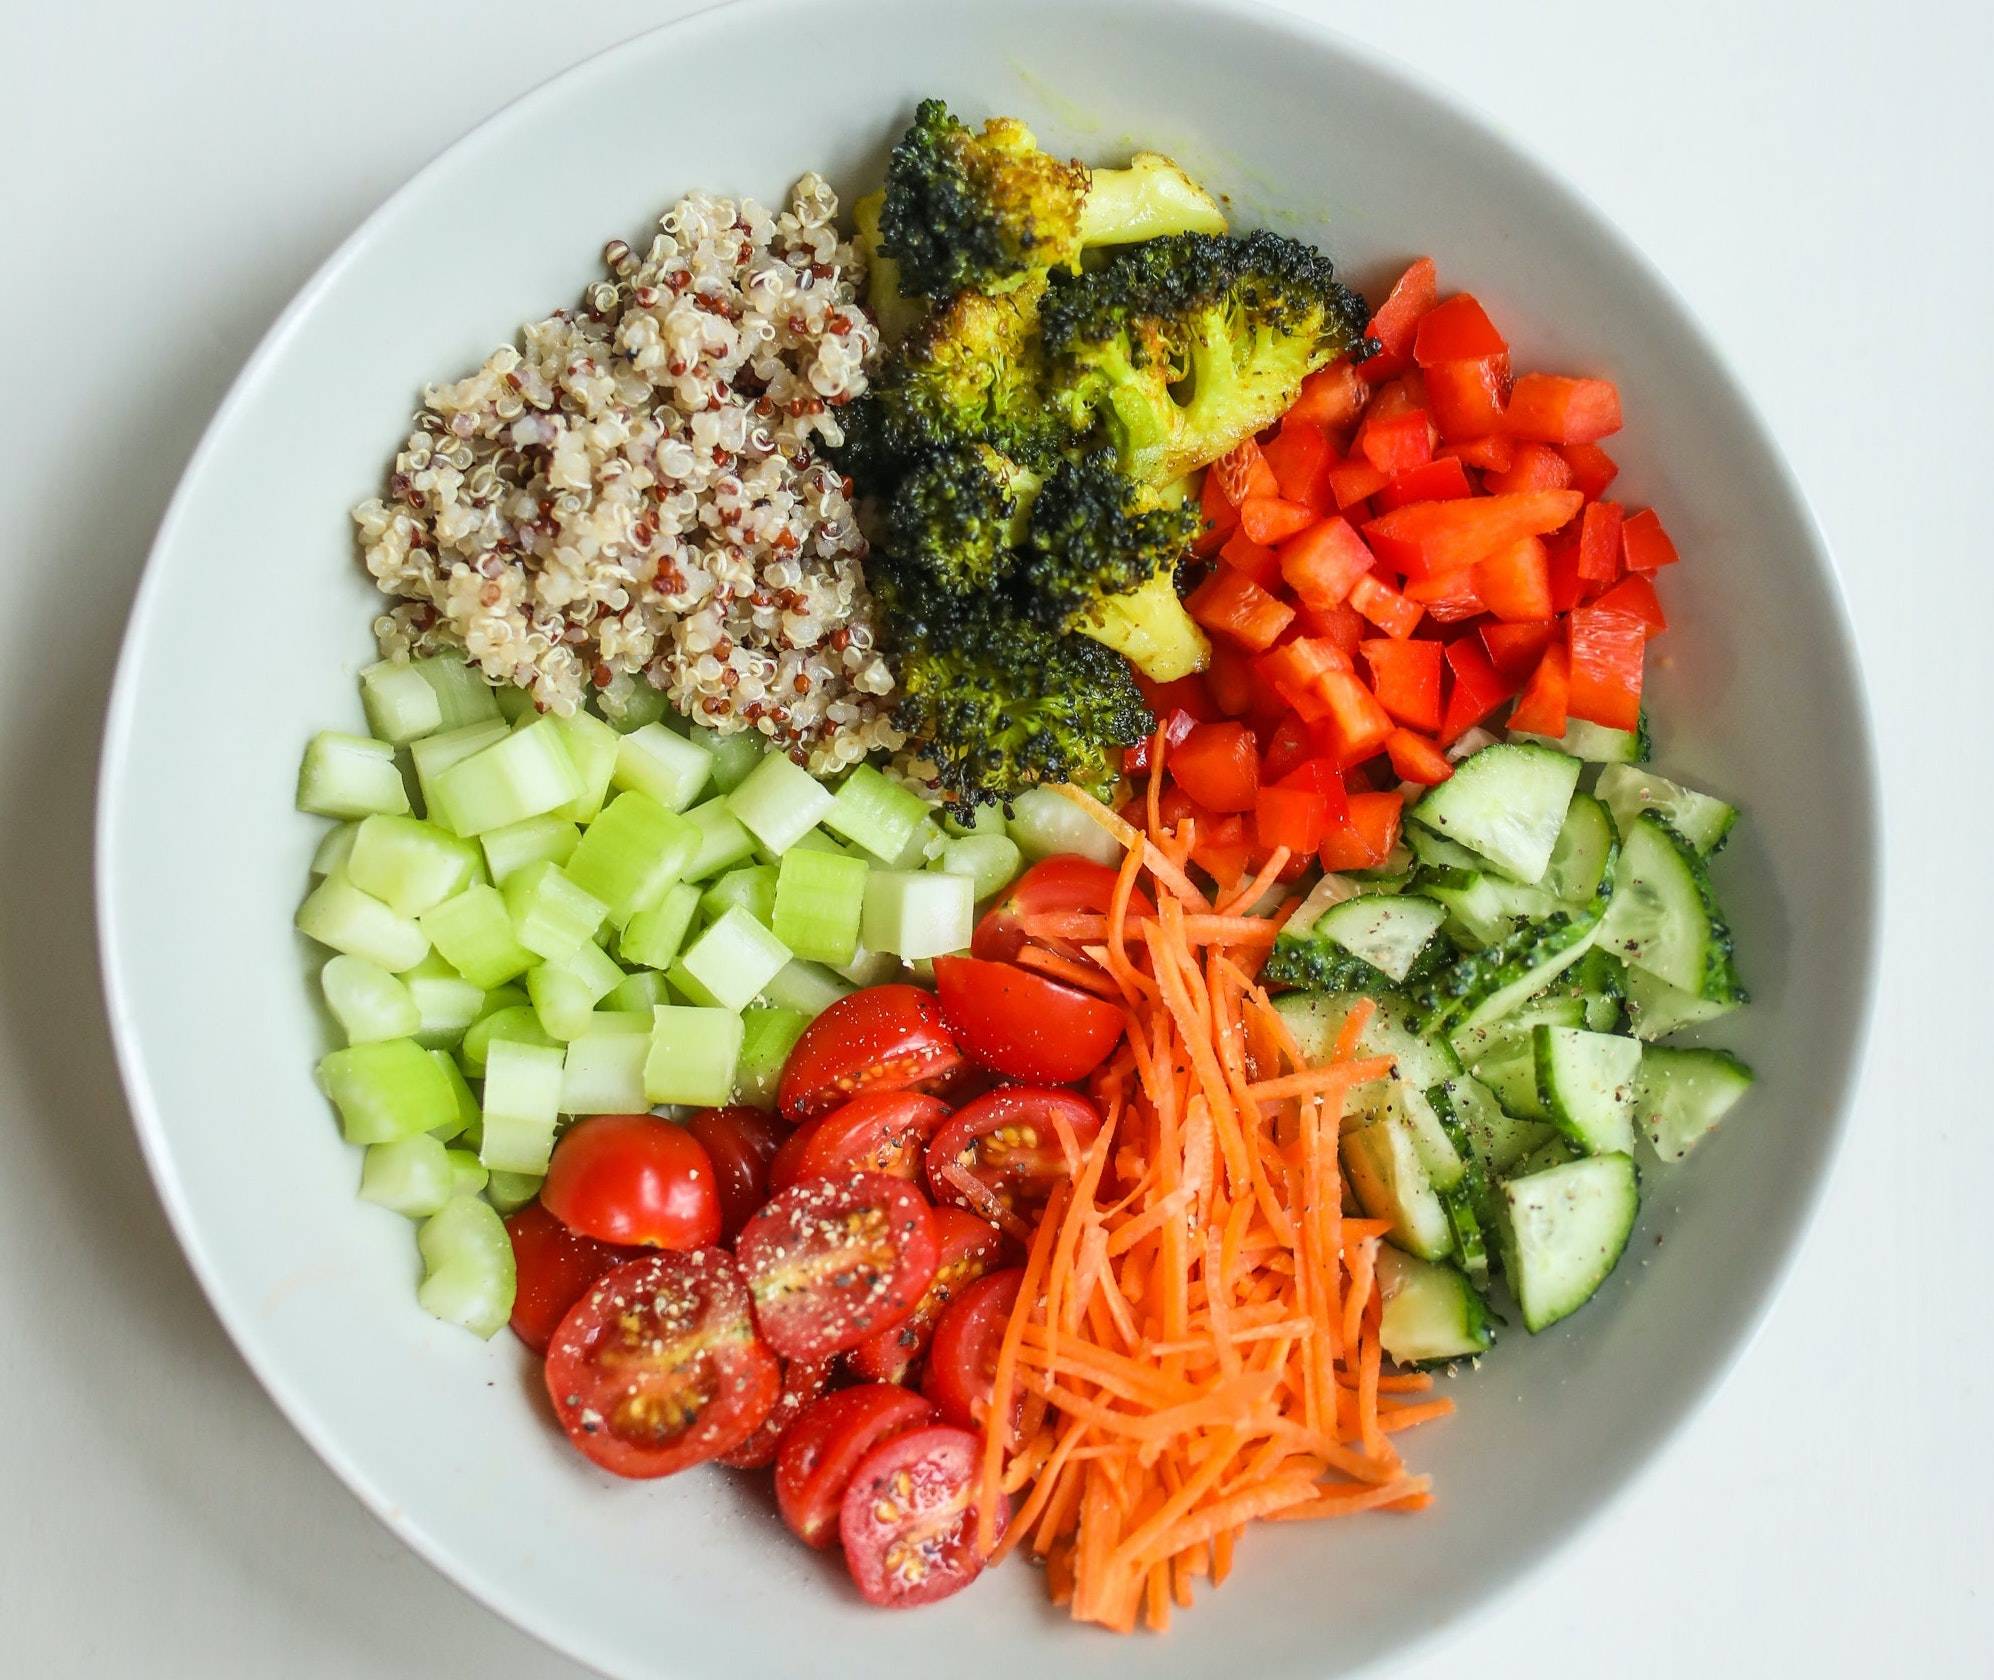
(803, 1382)
(658, 1366)
(1064, 882)
(1008, 1140)
(740, 1142)
(554, 1267)
(1024, 1024)
(633, 1178)
(832, 1261)
(909, 1521)
(814, 1464)
(876, 1132)
(885, 1037)
(962, 1359)
(966, 1246)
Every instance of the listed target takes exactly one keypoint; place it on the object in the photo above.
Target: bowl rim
(1304, 34)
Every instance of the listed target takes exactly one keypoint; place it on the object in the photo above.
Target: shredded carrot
(1084, 975)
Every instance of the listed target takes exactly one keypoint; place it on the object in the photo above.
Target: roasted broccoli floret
(896, 312)
(958, 515)
(1182, 347)
(971, 372)
(997, 702)
(964, 209)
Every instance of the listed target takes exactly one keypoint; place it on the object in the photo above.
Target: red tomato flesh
(1064, 882)
(885, 1037)
(966, 1246)
(876, 1132)
(740, 1142)
(814, 1464)
(633, 1178)
(909, 1518)
(554, 1267)
(803, 1381)
(1024, 1024)
(962, 1359)
(1009, 1141)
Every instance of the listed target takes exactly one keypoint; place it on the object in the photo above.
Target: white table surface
(1811, 174)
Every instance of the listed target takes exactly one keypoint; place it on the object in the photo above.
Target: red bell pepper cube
(1516, 581)
(1366, 839)
(1294, 817)
(1301, 456)
(1635, 595)
(1271, 520)
(1606, 655)
(1384, 606)
(1491, 454)
(1554, 409)
(1431, 537)
(1331, 397)
(1291, 745)
(1592, 468)
(1252, 559)
(1567, 587)
(1220, 516)
(1397, 321)
(1436, 481)
(1644, 545)
(1417, 759)
(1351, 481)
(1514, 649)
(1345, 626)
(1176, 726)
(1355, 724)
(1321, 563)
(1449, 597)
(1599, 542)
(1535, 466)
(1222, 848)
(1185, 694)
(1229, 603)
(1478, 688)
(1542, 708)
(1457, 330)
(1395, 443)
(1295, 668)
(1405, 676)
(1218, 765)
(1243, 471)
(1467, 398)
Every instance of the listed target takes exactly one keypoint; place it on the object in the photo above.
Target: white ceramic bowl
(253, 619)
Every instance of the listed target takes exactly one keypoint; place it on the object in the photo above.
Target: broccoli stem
(1150, 198)
(1150, 628)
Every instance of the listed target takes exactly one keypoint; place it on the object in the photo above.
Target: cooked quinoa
(635, 487)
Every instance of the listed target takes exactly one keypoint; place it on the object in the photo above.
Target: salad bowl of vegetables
(1143, 874)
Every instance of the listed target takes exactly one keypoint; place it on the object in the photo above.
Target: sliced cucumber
(1583, 852)
(1389, 1182)
(1316, 1018)
(1566, 1230)
(1682, 1094)
(1482, 907)
(1585, 1081)
(1409, 1106)
(1431, 1313)
(1664, 917)
(1506, 803)
(1487, 985)
(1697, 817)
(1388, 931)
(1494, 1139)
(1597, 744)
(1510, 1073)
(1495, 1038)
(1554, 1151)
(1434, 852)
(1463, 1205)
(1655, 1008)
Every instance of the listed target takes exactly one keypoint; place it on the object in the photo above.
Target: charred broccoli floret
(1182, 347)
(896, 312)
(958, 515)
(971, 372)
(964, 209)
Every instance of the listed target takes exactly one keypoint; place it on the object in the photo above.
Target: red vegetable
(1417, 759)
(962, 1358)
(1515, 582)
(1635, 595)
(553, 1267)
(876, 1132)
(1514, 649)
(1396, 443)
(740, 1142)
(1645, 544)
(1397, 320)
(1554, 409)
(1331, 397)
(909, 1521)
(1457, 330)
(1433, 537)
(1384, 606)
(1023, 1024)
(1599, 542)
(1606, 655)
(1218, 765)
(1269, 519)
(804, 1381)
(1405, 676)
(1543, 705)
(814, 1463)
(1466, 401)
(1300, 457)
(890, 1037)
(966, 1246)
(1367, 839)
(1592, 468)
(1229, 603)
(1477, 689)
(633, 1179)
(1013, 1142)
(1435, 481)
(1533, 466)
(1322, 563)
(1295, 817)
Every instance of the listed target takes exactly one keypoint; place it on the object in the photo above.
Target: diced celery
(692, 1056)
(723, 842)
(818, 898)
(461, 690)
(629, 703)
(605, 1074)
(671, 769)
(409, 864)
(400, 705)
(519, 1025)
(509, 1192)
(525, 774)
(733, 755)
(639, 991)
(734, 959)
(565, 991)
(551, 912)
(445, 1001)
(807, 987)
(689, 988)
(652, 937)
(412, 1175)
(768, 1034)
(779, 802)
(522, 1104)
(543, 839)
(751, 889)
(513, 703)
(468, 1125)
(386, 1091)
(474, 934)
(923, 846)
(870, 968)
(334, 849)
(339, 914)
(467, 1172)
(632, 854)
(434, 754)
(961, 820)
(918, 913)
(368, 1002)
(503, 997)
(610, 1023)
(876, 812)
(468, 1275)
(591, 745)
(1045, 823)
(991, 861)
(350, 776)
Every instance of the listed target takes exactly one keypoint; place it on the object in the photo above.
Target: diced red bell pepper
(1448, 597)
(1230, 680)
(1541, 710)
(1301, 456)
(1367, 837)
(1321, 563)
(1320, 775)
(1344, 625)
(1478, 688)
(1433, 537)
(1222, 848)
(1271, 520)
(1221, 517)
(1294, 817)
(1599, 542)
(1514, 649)
(1535, 466)
(1187, 694)
(1395, 443)
(1606, 655)
(1457, 330)
(1644, 544)
(1405, 676)
(1230, 603)
(1567, 587)
(1436, 481)
(1635, 595)
(1384, 606)
(1592, 468)
(1397, 321)
(1491, 454)
(1466, 399)
(1355, 725)
(1555, 409)
(1352, 480)
(1417, 759)
(1176, 726)
(1331, 397)
(1290, 745)
(1516, 581)
(1243, 471)
(1294, 669)
(1252, 559)
(1218, 765)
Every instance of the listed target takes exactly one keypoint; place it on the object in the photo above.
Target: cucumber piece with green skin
(1316, 1018)
(1655, 1008)
(1597, 744)
(1389, 1182)
(1433, 851)
(1495, 1038)
(1554, 1151)
(1487, 985)
(1471, 1251)
(1482, 908)
(1408, 1106)
(1388, 931)
(1664, 917)
(1598, 980)
(1583, 852)
(1565, 1232)
(1493, 1139)
(1700, 819)
(1682, 1094)
(1506, 803)
(1585, 1081)
(1431, 1313)
(1308, 965)
(1510, 1073)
